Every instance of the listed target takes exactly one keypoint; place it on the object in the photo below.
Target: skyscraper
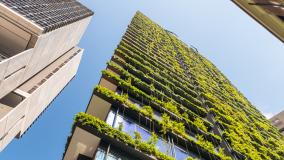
(38, 57)
(278, 121)
(159, 98)
(269, 13)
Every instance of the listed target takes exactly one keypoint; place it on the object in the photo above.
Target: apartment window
(168, 145)
(127, 125)
(191, 135)
(144, 133)
(164, 146)
(180, 153)
(100, 155)
(157, 115)
(137, 103)
(110, 118)
(112, 153)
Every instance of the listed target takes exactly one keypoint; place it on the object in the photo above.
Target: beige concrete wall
(44, 94)
(269, 21)
(82, 142)
(48, 47)
(12, 71)
(278, 121)
(13, 39)
(19, 119)
(53, 44)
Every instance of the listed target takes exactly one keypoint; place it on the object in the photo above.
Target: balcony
(19, 108)
(14, 55)
(11, 69)
(12, 110)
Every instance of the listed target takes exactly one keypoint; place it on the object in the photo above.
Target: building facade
(159, 98)
(38, 57)
(278, 121)
(269, 13)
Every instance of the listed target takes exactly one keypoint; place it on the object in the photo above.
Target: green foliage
(147, 110)
(153, 139)
(156, 72)
(171, 108)
(223, 155)
(167, 125)
(199, 124)
(137, 137)
(90, 121)
(120, 126)
(204, 143)
(171, 125)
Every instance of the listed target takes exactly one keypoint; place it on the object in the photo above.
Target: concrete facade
(278, 121)
(269, 13)
(34, 67)
(82, 142)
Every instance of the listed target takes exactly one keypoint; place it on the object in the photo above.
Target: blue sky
(243, 50)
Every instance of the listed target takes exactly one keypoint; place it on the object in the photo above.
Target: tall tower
(38, 57)
(160, 99)
(269, 13)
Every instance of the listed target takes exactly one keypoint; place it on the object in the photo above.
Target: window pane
(191, 135)
(128, 126)
(157, 115)
(118, 154)
(111, 157)
(163, 146)
(100, 155)
(137, 103)
(192, 154)
(110, 118)
(118, 121)
(180, 154)
(144, 134)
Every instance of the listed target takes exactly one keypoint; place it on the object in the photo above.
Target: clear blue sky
(244, 51)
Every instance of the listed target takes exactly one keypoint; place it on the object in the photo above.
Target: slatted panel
(50, 14)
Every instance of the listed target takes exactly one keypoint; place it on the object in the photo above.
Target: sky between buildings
(251, 57)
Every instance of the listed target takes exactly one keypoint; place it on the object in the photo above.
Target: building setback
(278, 121)
(269, 13)
(38, 57)
(160, 99)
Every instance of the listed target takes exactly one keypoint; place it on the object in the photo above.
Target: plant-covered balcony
(149, 144)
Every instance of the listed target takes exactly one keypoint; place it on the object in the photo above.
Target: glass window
(191, 154)
(110, 117)
(100, 155)
(119, 120)
(111, 157)
(128, 126)
(180, 154)
(137, 103)
(144, 134)
(163, 146)
(157, 115)
(191, 135)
